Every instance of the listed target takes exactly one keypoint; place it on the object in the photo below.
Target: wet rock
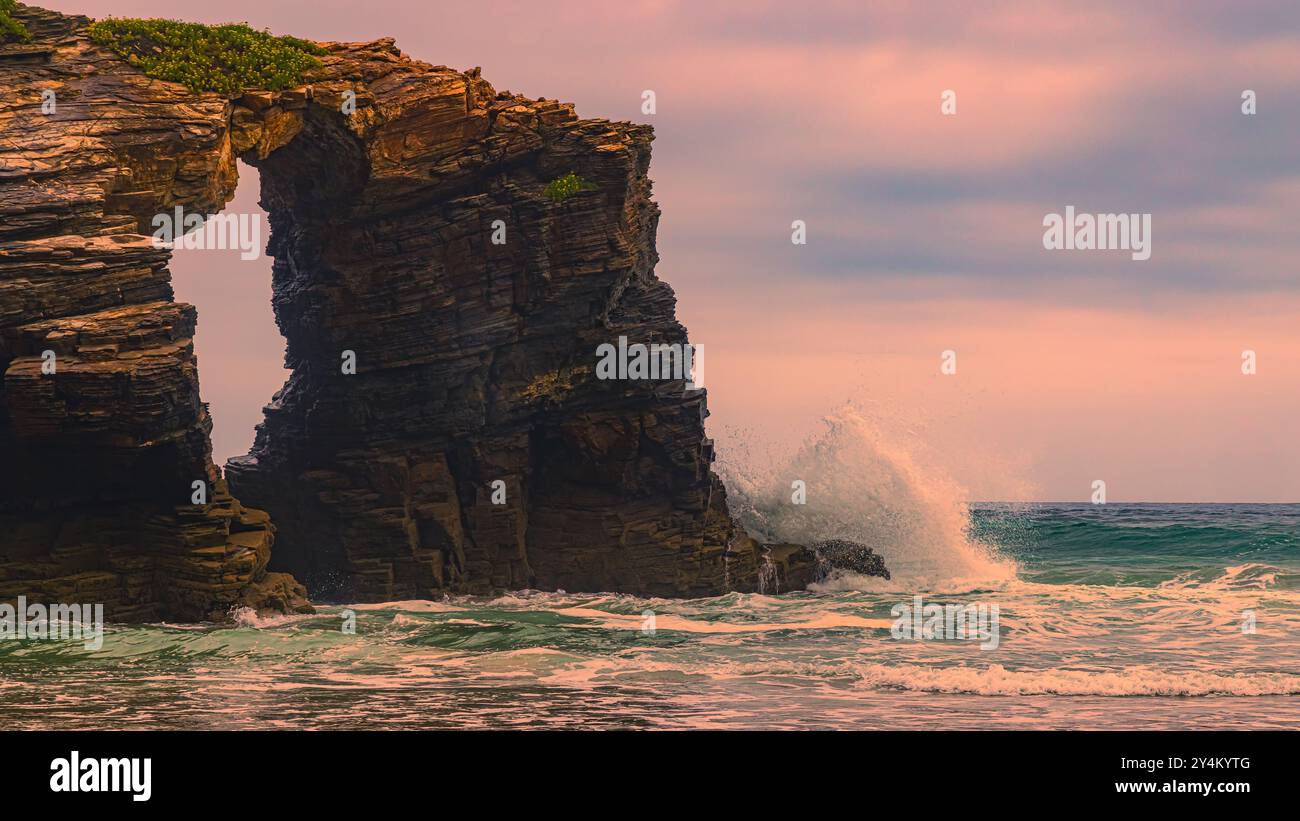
(853, 557)
(276, 593)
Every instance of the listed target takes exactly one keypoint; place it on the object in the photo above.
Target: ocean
(1112, 616)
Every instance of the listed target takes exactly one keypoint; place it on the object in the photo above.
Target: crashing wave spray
(864, 487)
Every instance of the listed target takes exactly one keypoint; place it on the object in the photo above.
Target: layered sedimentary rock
(474, 358)
(472, 447)
(102, 432)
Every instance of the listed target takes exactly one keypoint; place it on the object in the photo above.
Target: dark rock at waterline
(853, 557)
(783, 567)
(277, 593)
(753, 567)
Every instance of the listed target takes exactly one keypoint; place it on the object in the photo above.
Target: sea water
(1110, 616)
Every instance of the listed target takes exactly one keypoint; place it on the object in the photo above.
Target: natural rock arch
(473, 359)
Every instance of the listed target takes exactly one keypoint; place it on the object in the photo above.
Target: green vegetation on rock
(561, 188)
(555, 385)
(228, 59)
(11, 31)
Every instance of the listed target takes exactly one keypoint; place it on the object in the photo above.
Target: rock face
(853, 557)
(473, 449)
(102, 433)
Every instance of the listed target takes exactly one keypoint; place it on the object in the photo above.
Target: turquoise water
(1115, 616)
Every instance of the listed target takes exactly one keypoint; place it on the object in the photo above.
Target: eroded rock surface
(850, 557)
(102, 432)
(474, 360)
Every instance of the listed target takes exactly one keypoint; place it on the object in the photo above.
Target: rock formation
(102, 432)
(851, 557)
(473, 360)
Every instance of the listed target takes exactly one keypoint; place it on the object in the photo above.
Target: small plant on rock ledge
(11, 31)
(228, 59)
(561, 188)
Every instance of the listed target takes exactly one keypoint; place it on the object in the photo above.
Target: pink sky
(924, 230)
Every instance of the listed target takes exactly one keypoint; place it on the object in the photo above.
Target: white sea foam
(248, 617)
(823, 620)
(1249, 576)
(996, 680)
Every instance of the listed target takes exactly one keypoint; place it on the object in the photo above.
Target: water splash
(867, 487)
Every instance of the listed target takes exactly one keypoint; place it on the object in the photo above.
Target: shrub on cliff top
(561, 188)
(11, 31)
(228, 59)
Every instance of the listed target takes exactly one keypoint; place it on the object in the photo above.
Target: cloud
(924, 231)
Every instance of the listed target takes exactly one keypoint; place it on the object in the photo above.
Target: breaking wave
(863, 486)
